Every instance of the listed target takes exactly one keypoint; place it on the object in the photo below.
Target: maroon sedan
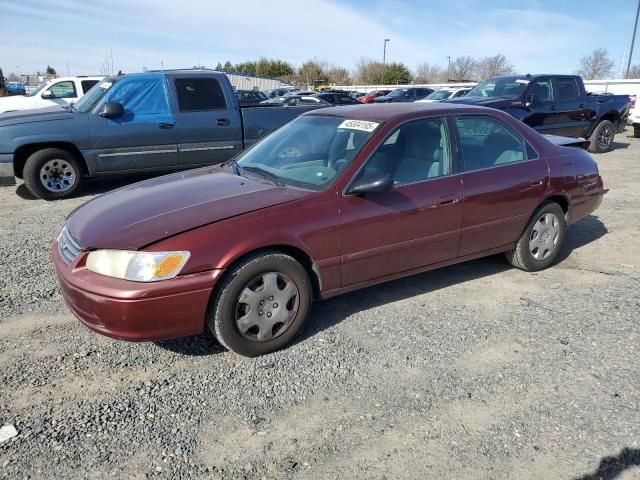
(372, 193)
(371, 96)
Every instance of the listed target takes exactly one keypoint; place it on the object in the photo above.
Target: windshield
(506, 87)
(93, 96)
(308, 152)
(33, 93)
(439, 95)
(398, 92)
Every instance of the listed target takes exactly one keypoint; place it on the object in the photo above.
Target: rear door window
(199, 94)
(64, 89)
(87, 85)
(567, 88)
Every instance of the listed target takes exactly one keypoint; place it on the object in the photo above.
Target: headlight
(137, 266)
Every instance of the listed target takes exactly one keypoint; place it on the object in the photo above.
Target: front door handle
(448, 201)
(223, 122)
(537, 183)
(166, 126)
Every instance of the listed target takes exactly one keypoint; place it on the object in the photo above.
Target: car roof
(383, 112)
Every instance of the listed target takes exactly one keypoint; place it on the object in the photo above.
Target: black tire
(222, 312)
(636, 131)
(601, 140)
(68, 165)
(522, 257)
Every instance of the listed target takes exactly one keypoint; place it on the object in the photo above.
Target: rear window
(87, 85)
(199, 94)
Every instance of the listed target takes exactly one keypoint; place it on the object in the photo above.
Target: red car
(371, 96)
(372, 193)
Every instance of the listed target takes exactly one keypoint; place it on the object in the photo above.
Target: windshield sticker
(522, 80)
(359, 125)
(105, 85)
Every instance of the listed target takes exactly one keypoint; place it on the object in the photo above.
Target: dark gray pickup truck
(133, 123)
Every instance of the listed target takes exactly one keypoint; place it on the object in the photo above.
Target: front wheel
(52, 174)
(261, 304)
(601, 140)
(541, 241)
(636, 131)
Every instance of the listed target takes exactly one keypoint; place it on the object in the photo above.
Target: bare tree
(313, 71)
(634, 71)
(428, 73)
(368, 71)
(463, 68)
(493, 67)
(596, 66)
(338, 75)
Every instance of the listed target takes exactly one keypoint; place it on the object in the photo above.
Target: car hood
(35, 115)
(494, 102)
(146, 212)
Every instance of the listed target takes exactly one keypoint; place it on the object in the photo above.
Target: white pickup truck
(59, 91)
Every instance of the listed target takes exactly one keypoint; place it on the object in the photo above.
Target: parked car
(294, 100)
(444, 93)
(555, 104)
(372, 194)
(369, 97)
(133, 123)
(634, 116)
(250, 97)
(279, 92)
(337, 98)
(410, 94)
(15, 88)
(357, 95)
(60, 91)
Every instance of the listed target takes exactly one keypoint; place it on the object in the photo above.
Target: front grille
(67, 246)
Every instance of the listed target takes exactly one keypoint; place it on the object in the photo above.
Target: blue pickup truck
(153, 121)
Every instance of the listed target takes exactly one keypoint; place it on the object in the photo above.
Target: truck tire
(52, 174)
(602, 137)
(636, 131)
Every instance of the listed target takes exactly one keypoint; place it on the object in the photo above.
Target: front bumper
(135, 311)
(7, 175)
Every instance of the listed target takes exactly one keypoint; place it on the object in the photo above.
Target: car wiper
(234, 166)
(265, 174)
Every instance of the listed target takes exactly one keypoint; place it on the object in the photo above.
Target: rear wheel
(541, 241)
(602, 137)
(261, 304)
(52, 174)
(636, 131)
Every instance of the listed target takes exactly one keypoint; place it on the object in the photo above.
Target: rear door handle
(166, 126)
(448, 201)
(223, 122)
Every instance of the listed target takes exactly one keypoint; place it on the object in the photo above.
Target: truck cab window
(199, 94)
(87, 84)
(63, 90)
(567, 89)
(542, 89)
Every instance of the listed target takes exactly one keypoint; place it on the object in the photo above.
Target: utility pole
(68, 74)
(161, 66)
(384, 57)
(633, 38)
(449, 69)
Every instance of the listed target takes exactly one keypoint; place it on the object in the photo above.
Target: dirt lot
(473, 371)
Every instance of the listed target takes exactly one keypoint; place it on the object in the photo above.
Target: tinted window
(87, 84)
(199, 94)
(63, 90)
(543, 89)
(414, 152)
(567, 89)
(144, 99)
(487, 142)
(531, 153)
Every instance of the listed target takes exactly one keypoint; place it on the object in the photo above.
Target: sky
(535, 35)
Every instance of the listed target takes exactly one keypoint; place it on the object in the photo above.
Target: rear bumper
(7, 175)
(135, 311)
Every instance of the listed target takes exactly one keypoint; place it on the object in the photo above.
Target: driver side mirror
(112, 110)
(372, 183)
(532, 100)
(47, 95)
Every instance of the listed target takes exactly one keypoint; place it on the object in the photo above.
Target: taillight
(585, 144)
(632, 102)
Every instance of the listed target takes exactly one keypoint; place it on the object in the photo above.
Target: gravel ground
(472, 371)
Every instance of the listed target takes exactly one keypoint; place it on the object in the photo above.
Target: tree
(634, 72)
(494, 66)
(1, 79)
(219, 66)
(51, 70)
(368, 71)
(273, 68)
(338, 76)
(227, 66)
(463, 68)
(596, 66)
(312, 71)
(12, 77)
(396, 73)
(428, 73)
(248, 68)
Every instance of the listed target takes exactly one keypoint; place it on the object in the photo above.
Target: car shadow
(95, 186)
(619, 145)
(325, 314)
(612, 467)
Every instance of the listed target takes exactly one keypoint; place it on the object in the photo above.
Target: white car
(444, 93)
(59, 91)
(634, 116)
